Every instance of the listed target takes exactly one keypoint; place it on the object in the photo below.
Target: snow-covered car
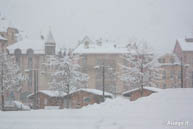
(15, 106)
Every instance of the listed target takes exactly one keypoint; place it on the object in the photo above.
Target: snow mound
(170, 108)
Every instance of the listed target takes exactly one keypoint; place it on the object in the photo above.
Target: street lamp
(182, 72)
(35, 74)
(103, 76)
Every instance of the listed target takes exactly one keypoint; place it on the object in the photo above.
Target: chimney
(189, 37)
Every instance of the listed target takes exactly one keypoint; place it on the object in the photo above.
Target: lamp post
(36, 80)
(182, 72)
(103, 76)
(2, 87)
(2, 76)
(68, 85)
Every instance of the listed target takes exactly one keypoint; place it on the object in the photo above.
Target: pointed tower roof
(50, 38)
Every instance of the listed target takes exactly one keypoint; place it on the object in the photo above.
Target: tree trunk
(68, 97)
(2, 89)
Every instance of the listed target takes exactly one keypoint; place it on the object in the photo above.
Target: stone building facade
(184, 51)
(29, 55)
(101, 60)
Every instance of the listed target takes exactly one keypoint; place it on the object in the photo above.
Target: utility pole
(182, 71)
(35, 72)
(2, 75)
(103, 68)
(142, 70)
(103, 77)
(68, 86)
(68, 97)
(35, 97)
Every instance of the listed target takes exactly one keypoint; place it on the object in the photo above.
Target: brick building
(136, 93)
(184, 50)
(47, 98)
(84, 97)
(171, 71)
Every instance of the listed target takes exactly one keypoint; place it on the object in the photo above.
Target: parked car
(15, 106)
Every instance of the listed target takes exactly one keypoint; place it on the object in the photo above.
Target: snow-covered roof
(154, 89)
(36, 45)
(186, 46)
(93, 91)
(2, 38)
(51, 93)
(106, 47)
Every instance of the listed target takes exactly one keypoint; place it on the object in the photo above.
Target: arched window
(164, 75)
(86, 44)
(30, 52)
(17, 52)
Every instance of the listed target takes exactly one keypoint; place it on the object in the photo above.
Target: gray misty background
(160, 22)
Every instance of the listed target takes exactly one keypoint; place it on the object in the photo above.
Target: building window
(86, 44)
(179, 75)
(87, 100)
(45, 101)
(50, 50)
(164, 75)
(161, 60)
(164, 86)
(12, 36)
(171, 74)
(172, 60)
(30, 66)
(84, 60)
(17, 56)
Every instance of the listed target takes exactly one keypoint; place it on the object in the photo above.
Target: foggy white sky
(160, 22)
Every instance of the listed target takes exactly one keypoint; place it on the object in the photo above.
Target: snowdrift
(170, 108)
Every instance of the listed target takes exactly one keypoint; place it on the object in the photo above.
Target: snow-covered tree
(140, 67)
(10, 75)
(65, 73)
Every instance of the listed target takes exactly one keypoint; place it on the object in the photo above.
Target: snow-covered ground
(168, 109)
